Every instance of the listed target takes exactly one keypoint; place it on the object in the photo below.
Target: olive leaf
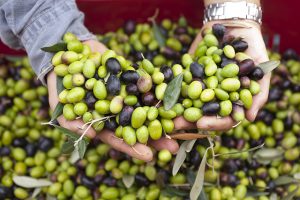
(74, 156)
(49, 197)
(161, 40)
(285, 180)
(266, 155)
(186, 146)
(238, 152)
(128, 180)
(199, 181)
(202, 196)
(59, 84)
(14, 58)
(269, 66)
(172, 92)
(68, 147)
(171, 192)
(57, 111)
(188, 136)
(67, 132)
(36, 192)
(252, 193)
(291, 194)
(273, 196)
(29, 182)
(82, 146)
(61, 46)
(297, 176)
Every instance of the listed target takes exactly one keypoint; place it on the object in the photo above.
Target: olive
(246, 66)
(211, 108)
(148, 99)
(19, 142)
(113, 85)
(290, 54)
(288, 123)
(111, 124)
(87, 182)
(168, 73)
(219, 30)
(140, 179)
(286, 84)
(4, 151)
(132, 89)
(239, 45)
(90, 99)
(296, 88)
(30, 149)
(129, 76)
(275, 94)
(110, 181)
(125, 116)
(197, 70)
(113, 65)
(4, 192)
(180, 30)
(129, 27)
(169, 53)
(45, 143)
(257, 73)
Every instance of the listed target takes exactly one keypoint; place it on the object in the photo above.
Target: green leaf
(59, 84)
(172, 92)
(36, 192)
(57, 111)
(74, 156)
(269, 66)
(28, 182)
(291, 194)
(238, 152)
(67, 132)
(82, 146)
(161, 40)
(267, 155)
(285, 180)
(173, 192)
(186, 146)
(128, 180)
(273, 196)
(61, 46)
(191, 176)
(199, 181)
(202, 196)
(14, 58)
(68, 147)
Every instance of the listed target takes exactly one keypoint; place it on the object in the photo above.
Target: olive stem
(153, 18)
(157, 103)
(81, 137)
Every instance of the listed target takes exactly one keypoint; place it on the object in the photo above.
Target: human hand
(139, 151)
(251, 33)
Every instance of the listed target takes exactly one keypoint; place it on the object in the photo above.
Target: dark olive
(148, 99)
(275, 94)
(296, 88)
(286, 84)
(169, 53)
(45, 143)
(257, 74)
(225, 61)
(30, 149)
(111, 124)
(19, 142)
(245, 81)
(110, 181)
(135, 65)
(140, 179)
(240, 143)
(228, 141)
(113, 85)
(180, 30)
(129, 76)
(288, 123)
(113, 66)
(4, 151)
(129, 27)
(211, 108)
(219, 30)
(239, 45)
(98, 179)
(290, 54)
(125, 115)
(227, 39)
(4, 192)
(197, 70)
(88, 182)
(132, 89)
(229, 166)
(168, 73)
(246, 66)
(90, 99)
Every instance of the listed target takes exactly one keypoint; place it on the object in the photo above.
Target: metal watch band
(233, 10)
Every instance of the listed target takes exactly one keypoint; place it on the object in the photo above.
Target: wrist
(234, 23)
(208, 2)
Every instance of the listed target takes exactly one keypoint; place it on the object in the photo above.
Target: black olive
(228, 142)
(197, 70)
(110, 181)
(169, 53)
(19, 142)
(219, 30)
(148, 55)
(111, 124)
(113, 66)
(30, 149)
(296, 88)
(116, 155)
(135, 65)
(257, 74)
(288, 123)
(180, 30)
(275, 94)
(113, 85)
(290, 54)
(163, 31)
(229, 166)
(125, 116)
(4, 192)
(45, 143)
(148, 99)
(98, 179)
(225, 61)
(129, 27)
(240, 143)
(168, 73)
(246, 66)
(132, 89)
(211, 108)
(239, 45)
(4, 151)
(141, 180)
(90, 99)
(195, 158)
(88, 182)
(286, 84)
(129, 76)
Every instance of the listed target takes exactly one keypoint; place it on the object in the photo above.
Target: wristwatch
(233, 10)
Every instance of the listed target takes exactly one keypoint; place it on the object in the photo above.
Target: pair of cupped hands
(249, 31)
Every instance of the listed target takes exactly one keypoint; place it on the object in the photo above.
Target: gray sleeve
(33, 24)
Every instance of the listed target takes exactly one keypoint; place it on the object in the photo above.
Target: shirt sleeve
(33, 24)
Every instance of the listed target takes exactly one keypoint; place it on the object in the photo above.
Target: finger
(165, 143)
(76, 126)
(180, 123)
(195, 44)
(138, 150)
(96, 46)
(51, 83)
(212, 123)
(260, 99)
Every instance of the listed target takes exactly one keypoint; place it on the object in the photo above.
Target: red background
(279, 16)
